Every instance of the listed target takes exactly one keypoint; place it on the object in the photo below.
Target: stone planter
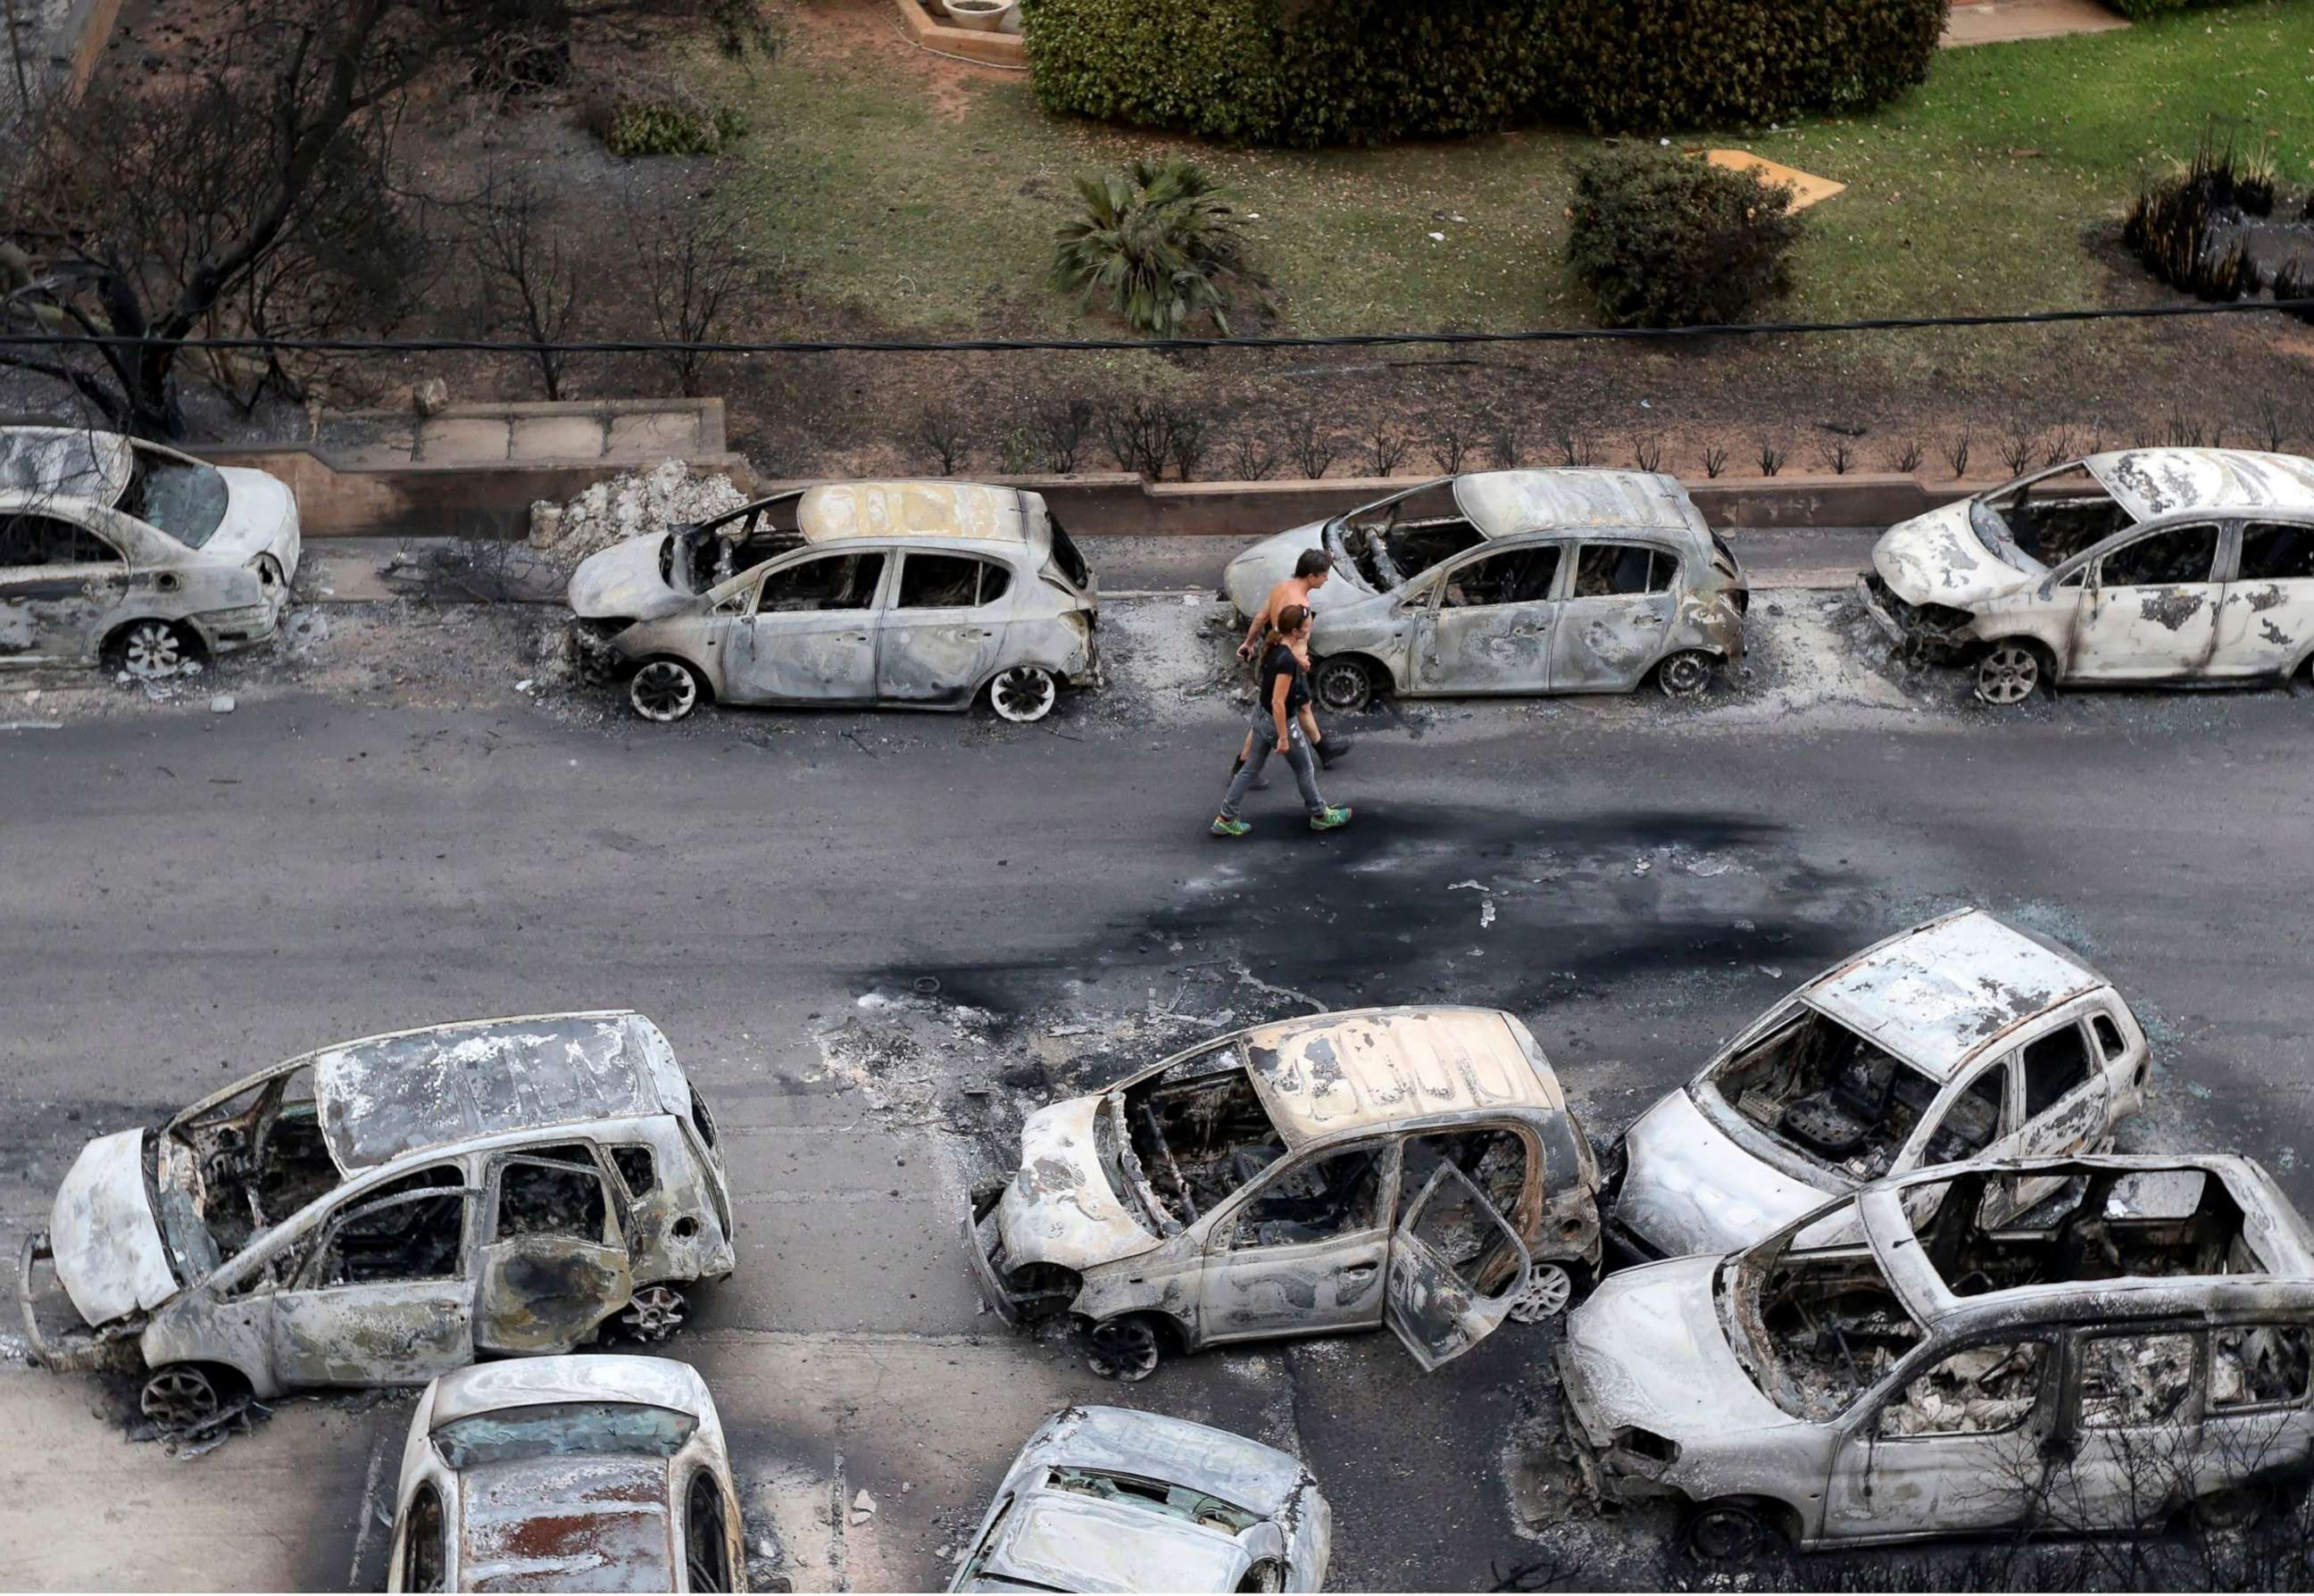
(938, 8)
(983, 16)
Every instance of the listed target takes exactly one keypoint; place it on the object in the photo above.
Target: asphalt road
(876, 940)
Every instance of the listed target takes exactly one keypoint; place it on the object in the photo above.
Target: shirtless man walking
(1310, 572)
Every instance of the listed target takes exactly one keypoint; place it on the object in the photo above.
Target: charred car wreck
(1407, 1167)
(2147, 564)
(380, 1211)
(1905, 1363)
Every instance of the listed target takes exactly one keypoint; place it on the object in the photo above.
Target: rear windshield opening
(1829, 1094)
(182, 497)
(1071, 563)
(1176, 1500)
(1199, 1133)
(2106, 1224)
(563, 1429)
(2054, 517)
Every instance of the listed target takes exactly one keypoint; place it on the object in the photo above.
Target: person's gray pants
(1265, 743)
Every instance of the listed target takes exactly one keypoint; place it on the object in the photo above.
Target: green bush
(1665, 240)
(1159, 243)
(1362, 71)
(665, 119)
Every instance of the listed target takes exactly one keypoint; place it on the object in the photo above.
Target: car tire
(666, 691)
(2010, 672)
(1688, 673)
(184, 1399)
(654, 1312)
(1343, 685)
(1128, 1347)
(2230, 1507)
(1731, 1529)
(1024, 693)
(152, 650)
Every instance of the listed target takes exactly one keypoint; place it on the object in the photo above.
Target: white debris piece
(221, 704)
(1486, 914)
(864, 1508)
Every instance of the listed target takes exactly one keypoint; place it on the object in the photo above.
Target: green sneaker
(1233, 828)
(1340, 815)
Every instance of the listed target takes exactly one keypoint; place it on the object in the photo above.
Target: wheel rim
(1685, 675)
(179, 1399)
(153, 649)
(1124, 1349)
(2008, 674)
(1024, 692)
(655, 1314)
(663, 691)
(1343, 686)
(1722, 1534)
(1549, 1289)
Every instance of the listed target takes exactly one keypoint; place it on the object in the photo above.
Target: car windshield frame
(561, 1429)
(184, 500)
(1739, 1281)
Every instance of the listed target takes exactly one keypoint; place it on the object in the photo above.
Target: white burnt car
(1512, 582)
(380, 1211)
(2145, 565)
(579, 1473)
(1417, 1168)
(1904, 1363)
(1108, 1499)
(1962, 1038)
(909, 594)
(114, 549)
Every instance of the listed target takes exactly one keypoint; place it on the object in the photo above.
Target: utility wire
(421, 346)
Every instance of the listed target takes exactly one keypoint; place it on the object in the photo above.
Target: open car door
(554, 1256)
(1450, 1239)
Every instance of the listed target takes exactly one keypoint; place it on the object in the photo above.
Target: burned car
(1905, 1363)
(1512, 582)
(2145, 565)
(578, 1473)
(116, 550)
(380, 1211)
(1962, 1038)
(1407, 1167)
(908, 594)
(1108, 1499)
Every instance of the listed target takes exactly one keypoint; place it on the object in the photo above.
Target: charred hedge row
(1319, 72)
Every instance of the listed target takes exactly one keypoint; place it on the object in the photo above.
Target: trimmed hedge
(1664, 240)
(1367, 71)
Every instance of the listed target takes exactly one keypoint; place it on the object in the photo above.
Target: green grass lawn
(928, 201)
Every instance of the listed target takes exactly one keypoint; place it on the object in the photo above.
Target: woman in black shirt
(1277, 730)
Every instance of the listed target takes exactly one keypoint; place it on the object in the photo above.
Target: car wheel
(1343, 686)
(1124, 1348)
(1730, 1530)
(1548, 1290)
(1687, 674)
(666, 691)
(1023, 693)
(2236, 1507)
(2010, 673)
(180, 1399)
(150, 651)
(654, 1312)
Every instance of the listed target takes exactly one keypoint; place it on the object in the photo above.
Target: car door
(1955, 1447)
(384, 1297)
(554, 1260)
(810, 636)
(1617, 613)
(1303, 1250)
(2257, 1420)
(1488, 622)
(62, 588)
(2068, 1095)
(1973, 1119)
(1449, 1238)
(2150, 608)
(941, 632)
(2266, 623)
(2126, 1449)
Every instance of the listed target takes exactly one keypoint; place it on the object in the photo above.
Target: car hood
(109, 1252)
(1646, 1349)
(1688, 1189)
(1937, 559)
(261, 517)
(1060, 1207)
(1248, 577)
(623, 582)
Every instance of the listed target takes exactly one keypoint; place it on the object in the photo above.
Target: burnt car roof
(834, 511)
(1501, 503)
(1936, 994)
(1365, 1067)
(566, 1523)
(63, 462)
(384, 1098)
(2150, 483)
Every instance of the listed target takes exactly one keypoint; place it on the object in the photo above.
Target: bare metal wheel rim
(1124, 1349)
(655, 1313)
(2008, 674)
(179, 1399)
(1685, 675)
(1343, 685)
(1723, 1534)
(153, 648)
(1549, 1289)
(663, 691)
(1024, 692)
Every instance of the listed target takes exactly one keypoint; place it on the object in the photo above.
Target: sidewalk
(2004, 21)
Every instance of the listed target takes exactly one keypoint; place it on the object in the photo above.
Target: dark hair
(1290, 620)
(1312, 562)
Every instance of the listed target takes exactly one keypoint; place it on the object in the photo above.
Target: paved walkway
(2001, 22)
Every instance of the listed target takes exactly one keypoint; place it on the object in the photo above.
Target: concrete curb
(990, 50)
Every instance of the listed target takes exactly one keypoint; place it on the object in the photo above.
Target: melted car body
(2142, 565)
(567, 1473)
(115, 548)
(379, 1211)
(1110, 1499)
(1407, 1167)
(1512, 582)
(1922, 1359)
(1960, 1038)
(905, 594)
